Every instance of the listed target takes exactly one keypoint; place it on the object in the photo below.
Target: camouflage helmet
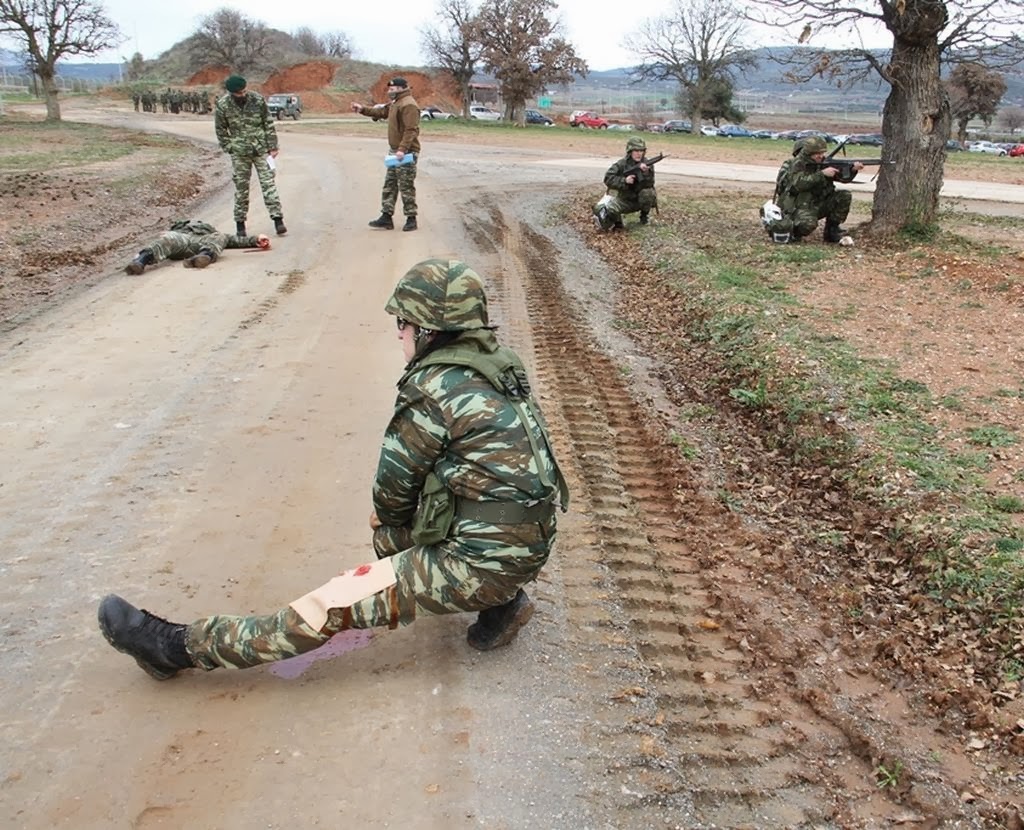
(814, 144)
(440, 295)
(635, 143)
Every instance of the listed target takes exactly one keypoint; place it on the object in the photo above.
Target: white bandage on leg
(344, 590)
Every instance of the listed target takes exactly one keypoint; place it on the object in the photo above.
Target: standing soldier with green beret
(807, 194)
(463, 502)
(245, 131)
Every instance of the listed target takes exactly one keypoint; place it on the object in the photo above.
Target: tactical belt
(504, 512)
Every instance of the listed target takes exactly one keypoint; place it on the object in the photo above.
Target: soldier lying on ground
(194, 241)
(463, 502)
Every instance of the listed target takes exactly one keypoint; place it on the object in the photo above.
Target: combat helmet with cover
(813, 144)
(441, 295)
(634, 142)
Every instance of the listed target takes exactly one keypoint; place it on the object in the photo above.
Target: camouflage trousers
(631, 201)
(177, 245)
(400, 180)
(834, 208)
(431, 580)
(241, 174)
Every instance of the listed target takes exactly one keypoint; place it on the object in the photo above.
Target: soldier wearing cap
(246, 132)
(806, 194)
(463, 502)
(403, 115)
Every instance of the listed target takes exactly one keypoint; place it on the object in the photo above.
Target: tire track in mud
(693, 725)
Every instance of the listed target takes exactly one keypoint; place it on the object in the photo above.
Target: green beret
(236, 83)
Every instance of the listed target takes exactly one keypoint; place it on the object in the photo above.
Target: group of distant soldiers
(173, 101)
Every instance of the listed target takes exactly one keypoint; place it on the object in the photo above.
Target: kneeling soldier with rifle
(630, 183)
(806, 193)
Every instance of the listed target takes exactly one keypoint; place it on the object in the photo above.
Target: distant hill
(763, 88)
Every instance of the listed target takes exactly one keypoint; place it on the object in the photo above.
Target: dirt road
(204, 442)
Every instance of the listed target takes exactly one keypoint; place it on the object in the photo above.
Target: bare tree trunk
(915, 127)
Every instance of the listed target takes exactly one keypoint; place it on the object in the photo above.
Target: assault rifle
(635, 169)
(844, 166)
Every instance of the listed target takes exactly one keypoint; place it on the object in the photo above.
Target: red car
(1017, 151)
(582, 118)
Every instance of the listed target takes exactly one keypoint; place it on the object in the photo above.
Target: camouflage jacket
(615, 178)
(451, 421)
(246, 130)
(403, 115)
(802, 184)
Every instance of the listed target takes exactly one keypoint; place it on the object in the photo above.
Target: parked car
(537, 117)
(986, 147)
(707, 129)
(1017, 151)
(676, 126)
(829, 139)
(285, 105)
(435, 114)
(764, 134)
(734, 131)
(584, 118)
(954, 146)
(482, 113)
(865, 139)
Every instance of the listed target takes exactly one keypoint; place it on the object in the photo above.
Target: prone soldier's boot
(138, 265)
(279, 225)
(240, 228)
(157, 645)
(201, 260)
(644, 214)
(410, 223)
(498, 626)
(833, 233)
(383, 221)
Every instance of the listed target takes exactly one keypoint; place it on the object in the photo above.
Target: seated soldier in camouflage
(463, 502)
(806, 194)
(630, 184)
(193, 241)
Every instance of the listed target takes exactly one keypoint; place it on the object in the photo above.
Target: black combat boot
(833, 233)
(644, 217)
(279, 225)
(383, 221)
(498, 626)
(201, 260)
(157, 645)
(410, 223)
(138, 265)
(240, 228)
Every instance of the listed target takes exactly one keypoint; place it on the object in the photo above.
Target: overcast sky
(381, 34)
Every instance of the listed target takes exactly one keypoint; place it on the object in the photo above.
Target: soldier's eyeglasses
(402, 323)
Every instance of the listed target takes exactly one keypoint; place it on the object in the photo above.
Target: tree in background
(699, 45)
(332, 44)
(1012, 118)
(642, 113)
(229, 38)
(525, 51)
(717, 106)
(916, 118)
(452, 45)
(49, 30)
(135, 68)
(974, 92)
